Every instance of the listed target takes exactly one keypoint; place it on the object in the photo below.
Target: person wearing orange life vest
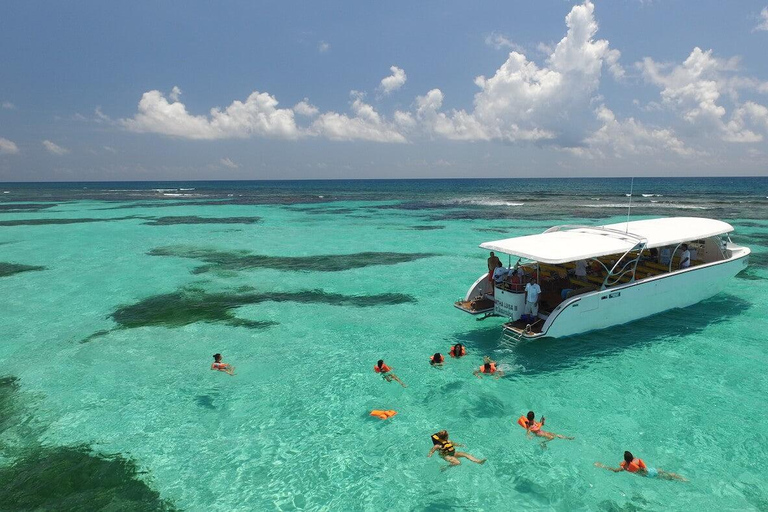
(437, 359)
(447, 450)
(458, 350)
(531, 426)
(638, 466)
(386, 372)
(489, 368)
(221, 366)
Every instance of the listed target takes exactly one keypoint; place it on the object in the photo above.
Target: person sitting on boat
(532, 296)
(633, 465)
(531, 426)
(386, 372)
(685, 257)
(489, 368)
(221, 366)
(447, 449)
(458, 350)
(437, 359)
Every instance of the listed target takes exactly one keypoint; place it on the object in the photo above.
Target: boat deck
(475, 307)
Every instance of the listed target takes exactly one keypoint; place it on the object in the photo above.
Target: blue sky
(294, 90)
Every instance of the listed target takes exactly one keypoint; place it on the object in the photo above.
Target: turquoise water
(685, 390)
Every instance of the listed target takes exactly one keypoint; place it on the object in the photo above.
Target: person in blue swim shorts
(634, 465)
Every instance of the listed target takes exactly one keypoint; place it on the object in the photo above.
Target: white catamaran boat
(597, 277)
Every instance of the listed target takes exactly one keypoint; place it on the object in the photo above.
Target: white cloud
(627, 138)
(323, 47)
(226, 162)
(257, 116)
(697, 90)
(8, 147)
(525, 102)
(55, 148)
(7, 105)
(305, 108)
(175, 93)
(367, 124)
(109, 149)
(393, 82)
(499, 41)
(763, 24)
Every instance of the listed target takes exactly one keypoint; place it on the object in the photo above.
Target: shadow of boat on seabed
(556, 354)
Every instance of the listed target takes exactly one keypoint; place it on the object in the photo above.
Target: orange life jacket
(432, 359)
(452, 353)
(633, 466)
(384, 368)
(493, 368)
(523, 422)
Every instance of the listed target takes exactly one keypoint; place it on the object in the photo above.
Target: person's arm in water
(435, 447)
(615, 470)
(477, 374)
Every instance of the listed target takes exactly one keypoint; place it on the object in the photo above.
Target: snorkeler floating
(531, 426)
(437, 359)
(386, 372)
(447, 450)
(489, 368)
(633, 465)
(221, 366)
(458, 350)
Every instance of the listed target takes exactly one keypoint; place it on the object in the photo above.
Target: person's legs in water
(470, 457)
(666, 475)
(550, 436)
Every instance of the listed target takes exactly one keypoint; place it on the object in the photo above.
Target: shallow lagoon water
(684, 390)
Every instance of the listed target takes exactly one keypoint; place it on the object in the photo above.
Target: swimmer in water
(386, 372)
(437, 359)
(458, 350)
(633, 465)
(221, 366)
(447, 450)
(489, 368)
(530, 425)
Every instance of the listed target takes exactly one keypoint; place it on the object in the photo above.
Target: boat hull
(633, 301)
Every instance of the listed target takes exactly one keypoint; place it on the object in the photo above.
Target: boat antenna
(629, 209)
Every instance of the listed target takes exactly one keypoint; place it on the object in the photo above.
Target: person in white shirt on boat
(499, 273)
(581, 269)
(532, 296)
(685, 257)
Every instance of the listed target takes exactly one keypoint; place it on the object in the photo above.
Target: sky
(188, 90)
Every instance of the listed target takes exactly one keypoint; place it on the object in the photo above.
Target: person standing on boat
(493, 263)
(581, 269)
(499, 274)
(685, 257)
(532, 296)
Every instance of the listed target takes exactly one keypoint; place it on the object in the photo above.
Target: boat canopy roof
(570, 243)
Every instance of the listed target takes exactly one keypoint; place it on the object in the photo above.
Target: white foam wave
(186, 189)
(485, 202)
(655, 204)
(652, 195)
